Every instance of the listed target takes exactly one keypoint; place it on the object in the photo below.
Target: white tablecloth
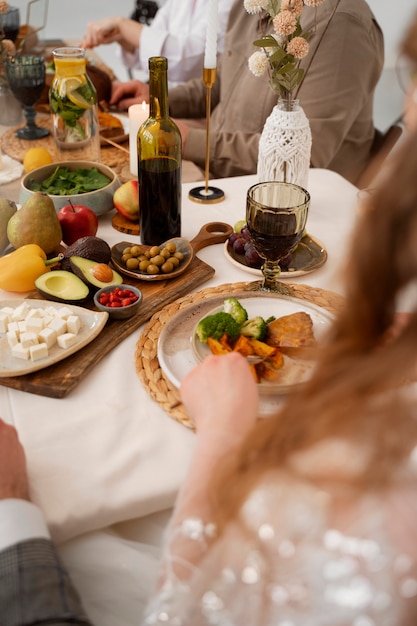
(107, 453)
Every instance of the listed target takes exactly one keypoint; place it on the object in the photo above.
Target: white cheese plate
(92, 323)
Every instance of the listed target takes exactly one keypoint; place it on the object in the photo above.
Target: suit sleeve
(35, 588)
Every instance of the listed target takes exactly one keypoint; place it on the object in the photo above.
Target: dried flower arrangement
(281, 52)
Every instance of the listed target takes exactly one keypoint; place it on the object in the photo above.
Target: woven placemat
(146, 357)
(16, 148)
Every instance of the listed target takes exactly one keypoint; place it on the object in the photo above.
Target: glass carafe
(73, 101)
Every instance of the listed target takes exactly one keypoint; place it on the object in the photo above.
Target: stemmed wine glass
(276, 215)
(26, 78)
(10, 23)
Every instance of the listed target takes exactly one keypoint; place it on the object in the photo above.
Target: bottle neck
(158, 87)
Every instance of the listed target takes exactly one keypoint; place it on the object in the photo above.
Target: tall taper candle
(210, 56)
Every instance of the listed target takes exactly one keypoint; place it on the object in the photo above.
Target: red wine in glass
(10, 23)
(276, 215)
(26, 78)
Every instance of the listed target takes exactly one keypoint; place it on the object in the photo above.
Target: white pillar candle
(138, 113)
(210, 56)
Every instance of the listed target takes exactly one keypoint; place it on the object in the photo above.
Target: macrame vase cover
(285, 145)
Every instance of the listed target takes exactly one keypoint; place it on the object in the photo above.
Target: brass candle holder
(207, 194)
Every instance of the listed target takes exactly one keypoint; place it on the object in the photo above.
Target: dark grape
(239, 246)
(245, 233)
(252, 257)
(233, 237)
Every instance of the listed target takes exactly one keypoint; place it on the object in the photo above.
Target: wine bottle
(159, 163)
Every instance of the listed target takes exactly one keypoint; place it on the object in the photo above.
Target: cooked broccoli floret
(256, 328)
(235, 309)
(216, 325)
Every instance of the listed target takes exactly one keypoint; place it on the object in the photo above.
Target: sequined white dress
(300, 555)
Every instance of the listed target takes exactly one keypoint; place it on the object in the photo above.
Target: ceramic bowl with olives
(167, 260)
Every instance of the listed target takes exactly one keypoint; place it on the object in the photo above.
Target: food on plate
(95, 275)
(118, 298)
(77, 221)
(292, 331)
(110, 125)
(36, 157)
(32, 332)
(231, 329)
(90, 247)
(66, 182)
(152, 260)
(62, 286)
(35, 222)
(126, 200)
(19, 269)
(7, 209)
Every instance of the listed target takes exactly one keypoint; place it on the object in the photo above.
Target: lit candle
(210, 56)
(138, 113)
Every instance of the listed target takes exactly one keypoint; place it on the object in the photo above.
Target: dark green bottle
(159, 163)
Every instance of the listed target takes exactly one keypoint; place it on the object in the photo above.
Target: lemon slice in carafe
(69, 84)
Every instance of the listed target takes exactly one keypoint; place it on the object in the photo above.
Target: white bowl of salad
(83, 182)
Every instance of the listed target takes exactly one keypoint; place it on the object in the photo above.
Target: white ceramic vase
(285, 145)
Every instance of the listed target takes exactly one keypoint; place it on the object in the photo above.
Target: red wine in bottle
(159, 163)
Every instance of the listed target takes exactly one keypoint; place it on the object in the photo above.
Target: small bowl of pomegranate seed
(119, 301)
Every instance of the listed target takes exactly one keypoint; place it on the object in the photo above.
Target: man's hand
(128, 93)
(13, 475)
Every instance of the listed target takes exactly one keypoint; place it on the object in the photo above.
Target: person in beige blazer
(337, 93)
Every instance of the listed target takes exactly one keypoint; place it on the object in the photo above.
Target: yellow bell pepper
(20, 269)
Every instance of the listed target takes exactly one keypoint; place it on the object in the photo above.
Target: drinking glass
(26, 77)
(10, 23)
(276, 215)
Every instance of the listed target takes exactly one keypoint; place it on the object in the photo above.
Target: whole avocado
(92, 248)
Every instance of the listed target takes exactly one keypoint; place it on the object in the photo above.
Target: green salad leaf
(65, 182)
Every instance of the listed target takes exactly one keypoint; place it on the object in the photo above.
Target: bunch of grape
(242, 244)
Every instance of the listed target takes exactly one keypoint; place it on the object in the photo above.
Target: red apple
(77, 221)
(126, 200)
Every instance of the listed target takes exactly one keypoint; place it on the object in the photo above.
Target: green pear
(7, 209)
(36, 222)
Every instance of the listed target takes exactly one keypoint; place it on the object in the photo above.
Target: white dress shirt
(178, 32)
(20, 520)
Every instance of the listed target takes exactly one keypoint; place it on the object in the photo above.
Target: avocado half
(86, 270)
(62, 286)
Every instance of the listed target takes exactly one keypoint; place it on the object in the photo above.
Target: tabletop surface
(107, 454)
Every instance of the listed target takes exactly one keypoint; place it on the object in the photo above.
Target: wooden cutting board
(59, 379)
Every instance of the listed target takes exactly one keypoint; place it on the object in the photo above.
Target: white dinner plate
(177, 356)
(92, 323)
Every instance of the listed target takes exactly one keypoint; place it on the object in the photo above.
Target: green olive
(135, 250)
(143, 265)
(154, 251)
(126, 257)
(158, 259)
(179, 256)
(152, 269)
(175, 261)
(167, 267)
(127, 250)
(132, 263)
(165, 253)
(171, 247)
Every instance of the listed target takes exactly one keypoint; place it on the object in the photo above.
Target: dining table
(105, 461)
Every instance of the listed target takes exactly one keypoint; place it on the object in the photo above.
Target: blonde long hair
(347, 396)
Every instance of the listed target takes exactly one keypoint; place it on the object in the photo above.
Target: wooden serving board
(59, 379)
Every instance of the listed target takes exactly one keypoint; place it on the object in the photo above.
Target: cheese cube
(34, 324)
(47, 336)
(14, 327)
(12, 338)
(66, 340)
(58, 325)
(22, 326)
(73, 324)
(20, 352)
(34, 313)
(28, 339)
(7, 310)
(64, 312)
(40, 351)
(4, 322)
(20, 312)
